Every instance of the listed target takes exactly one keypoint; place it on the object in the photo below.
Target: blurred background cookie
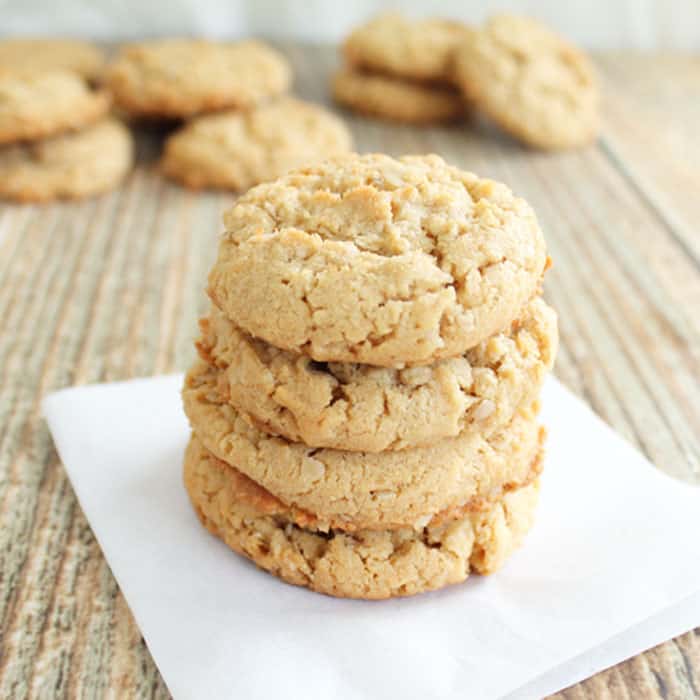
(42, 104)
(394, 99)
(530, 81)
(179, 78)
(72, 165)
(401, 70)
(39, 55)
(236, 150)
(412, 49)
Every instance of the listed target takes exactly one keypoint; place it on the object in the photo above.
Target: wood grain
(111, 288)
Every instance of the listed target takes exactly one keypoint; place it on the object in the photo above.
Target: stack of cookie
(364, 407)
(401, 70)
(240, 130)
(523, 76)
(56, 138)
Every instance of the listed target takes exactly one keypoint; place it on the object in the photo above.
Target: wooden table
(111, 288)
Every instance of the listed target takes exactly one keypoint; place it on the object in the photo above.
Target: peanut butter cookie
(46, 55)
(414, 49)
(396, 99)
(42, 104)
(236, 150)
(177, 78)
(78, 164)
(530, 81)
(355, 490)
(375, 260)
(364, 408)
(370, 564)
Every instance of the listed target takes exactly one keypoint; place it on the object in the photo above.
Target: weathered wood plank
(111, 288)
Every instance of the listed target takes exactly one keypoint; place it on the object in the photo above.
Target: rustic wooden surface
(111, 288)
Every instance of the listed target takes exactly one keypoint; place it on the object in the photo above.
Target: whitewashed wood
(111, 288)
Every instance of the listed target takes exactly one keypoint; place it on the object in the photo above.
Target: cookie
(370, 564)
(46, 55)
(354, 490)
(375, 260)
(417, 50)
(177, 78)
(257, 495)
(77, 164)
(38, 105)
(396, 99)
(236, 150)
(364, 408)
(530, 81)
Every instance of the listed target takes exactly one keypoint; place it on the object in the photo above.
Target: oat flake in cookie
(375, 260)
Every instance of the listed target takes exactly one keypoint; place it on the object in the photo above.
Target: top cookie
(183, 77)
(40, 55)
(418, 50)
(375, 260)
(38, 105)
(530, 81)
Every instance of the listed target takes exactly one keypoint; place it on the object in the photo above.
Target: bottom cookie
(371, 564)
(397, 100)
(77, 164)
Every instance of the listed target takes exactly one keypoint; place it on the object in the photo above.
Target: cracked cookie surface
(183, 77)
(375, 260)
(396, 45)
(371, 564)
(45, 55)
(236, 150)
(43, 104)
(358, 489)
(365, 408)
(77, 164)
(530, 81)
(397, 99)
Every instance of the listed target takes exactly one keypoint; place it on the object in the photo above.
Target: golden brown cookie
(78, 164)
(375, 260)
(38, 105)
(371, 564)
(236, 150)
(413, 49)
(182, 77)
(530, 81)
(364, 408)
(357, 489)
(46, 55)
(397, 99)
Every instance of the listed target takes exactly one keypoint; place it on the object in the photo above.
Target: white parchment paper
(612, 567)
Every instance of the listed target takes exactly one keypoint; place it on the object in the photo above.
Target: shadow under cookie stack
(364, 407)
